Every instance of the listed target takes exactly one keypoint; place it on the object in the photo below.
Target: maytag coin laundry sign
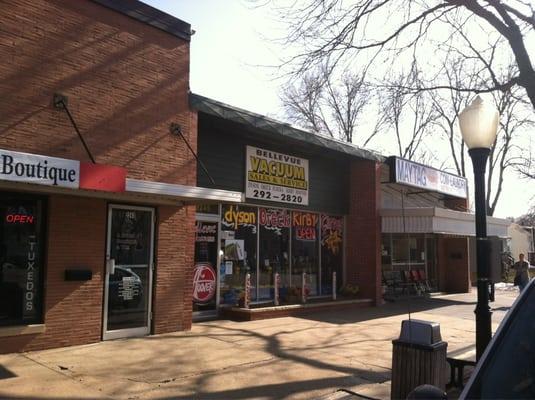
(276, 177)
(424, 177)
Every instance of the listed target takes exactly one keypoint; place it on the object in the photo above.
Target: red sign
(107, 178)
(204, 282)
(19, 219)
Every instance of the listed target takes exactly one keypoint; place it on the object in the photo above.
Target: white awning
(186, 193)
(139, 191)
(437, 220)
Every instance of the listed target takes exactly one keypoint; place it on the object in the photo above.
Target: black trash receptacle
(419, 357)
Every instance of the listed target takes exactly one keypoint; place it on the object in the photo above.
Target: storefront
(288, 243)
(98, 175)
(68, 227)
(109, 229)
(427, 233)
(280, 249)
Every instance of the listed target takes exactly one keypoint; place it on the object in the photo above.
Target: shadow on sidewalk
(399, 307)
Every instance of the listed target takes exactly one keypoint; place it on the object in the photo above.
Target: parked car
(507, 368)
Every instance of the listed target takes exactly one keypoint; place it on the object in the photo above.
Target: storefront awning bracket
(176, 129)
(60, 102)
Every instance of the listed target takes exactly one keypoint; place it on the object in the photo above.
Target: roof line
(272, 126)
(151, 16)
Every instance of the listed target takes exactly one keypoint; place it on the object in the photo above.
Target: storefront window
(21, 260)
(238, 247)
(274, 250)
(332, 233)
(305, 245)
(204, 271)
(408, 250)
(207, 209)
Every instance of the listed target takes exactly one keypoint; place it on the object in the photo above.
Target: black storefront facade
(291, 245)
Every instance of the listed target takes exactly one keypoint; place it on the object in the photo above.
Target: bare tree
(324, 105)
(527, 219)
(448, 105)
(409, 116)
(333, 31)
(506, 153)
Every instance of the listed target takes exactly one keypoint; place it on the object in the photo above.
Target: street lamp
(479, 124)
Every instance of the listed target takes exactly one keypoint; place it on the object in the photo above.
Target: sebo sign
(42, 170)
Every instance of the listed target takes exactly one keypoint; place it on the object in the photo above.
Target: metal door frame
(129, 332)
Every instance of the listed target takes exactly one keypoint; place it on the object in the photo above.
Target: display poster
(332, 253)
(204, 282)
(304, 225)
(205, 232)
(332, 234)
(421, 176)
(278, 177)
(234, 250)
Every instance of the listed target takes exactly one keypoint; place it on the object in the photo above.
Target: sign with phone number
(277, 177)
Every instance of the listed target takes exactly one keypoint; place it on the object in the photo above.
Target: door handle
(110, 266)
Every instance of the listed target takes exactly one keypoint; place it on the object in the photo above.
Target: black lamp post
(479, 124)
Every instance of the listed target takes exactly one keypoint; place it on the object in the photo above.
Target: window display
(204, 270)
(305, 246)
(332, 234)
(21, 260)
(238, 247)
(408, 250)
(263, 241)
(274, 250)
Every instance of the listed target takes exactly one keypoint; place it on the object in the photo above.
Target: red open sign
(20, 219)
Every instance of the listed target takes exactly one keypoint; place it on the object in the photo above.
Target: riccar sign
(421, 176)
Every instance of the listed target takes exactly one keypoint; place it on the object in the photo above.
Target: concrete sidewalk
(284, 358)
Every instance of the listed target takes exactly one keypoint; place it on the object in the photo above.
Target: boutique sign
(421, 176)
(60, 172)
(31, 168)
(276, 177)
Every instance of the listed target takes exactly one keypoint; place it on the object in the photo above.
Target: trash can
(419, 357)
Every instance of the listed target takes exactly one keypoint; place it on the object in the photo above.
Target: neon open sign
(20, 219)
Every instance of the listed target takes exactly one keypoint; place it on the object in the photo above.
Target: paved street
(285, 358)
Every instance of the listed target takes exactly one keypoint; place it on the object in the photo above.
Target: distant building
(522, 240)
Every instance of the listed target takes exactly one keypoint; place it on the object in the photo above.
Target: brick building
(123, 68)
(108, 227)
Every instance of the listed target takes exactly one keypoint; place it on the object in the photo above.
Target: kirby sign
(204, 281)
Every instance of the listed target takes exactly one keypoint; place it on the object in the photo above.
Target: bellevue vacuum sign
(60, 172)
(413, 174)
(275, 176)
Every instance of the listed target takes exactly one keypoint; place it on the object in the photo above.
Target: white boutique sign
(276, 176)
(424, 177)
(42, 170)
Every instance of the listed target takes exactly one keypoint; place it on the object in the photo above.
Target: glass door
(129, 269)
(204, 295)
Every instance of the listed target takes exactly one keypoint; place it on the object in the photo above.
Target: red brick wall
(363, 240)
(174, 267)
(72, 310)
(126, 82)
